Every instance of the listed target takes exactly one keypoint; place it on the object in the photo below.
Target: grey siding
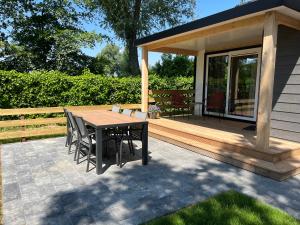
(285, 120)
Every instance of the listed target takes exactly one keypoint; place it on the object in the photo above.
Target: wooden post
(23, 128)
(267, 81)
(199, 83)
(144, 79)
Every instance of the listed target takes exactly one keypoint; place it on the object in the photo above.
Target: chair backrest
(216, 101)
(66, 115)
(116, 108)
(70, 120)
(127, 112)
(140, 115)
(65, 111)
(81, 127)
(177, 99)
(82, 130)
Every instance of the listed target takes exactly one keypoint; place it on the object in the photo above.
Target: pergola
(253, 24)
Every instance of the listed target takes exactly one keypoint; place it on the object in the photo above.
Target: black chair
(116, 108)
(87, 144)
(127, 112)
(118, 134)
(137, 131)
(216, 103)
(133, 133)
(68, 128)
(72, 134)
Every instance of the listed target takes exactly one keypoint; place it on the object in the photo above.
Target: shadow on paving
(136, 193)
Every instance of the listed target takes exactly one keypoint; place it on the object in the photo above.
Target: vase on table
(153, 115)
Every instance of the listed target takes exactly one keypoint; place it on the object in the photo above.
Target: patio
(43, 185)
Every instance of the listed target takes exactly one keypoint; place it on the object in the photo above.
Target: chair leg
(76, 149)
(88, 161)
(120, 154)
(78, 154)
(117, 152)
(129, 146)
(106, 148)
(132, 147)
(67, 139)
(70, 144)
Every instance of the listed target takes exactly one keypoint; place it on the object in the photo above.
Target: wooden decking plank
(216, 135)
(279, 171)
(277, 145)
(217, 144)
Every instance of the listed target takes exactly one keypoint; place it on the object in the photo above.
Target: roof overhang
(237, 27)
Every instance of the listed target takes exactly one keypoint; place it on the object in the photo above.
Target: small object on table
(154, 111)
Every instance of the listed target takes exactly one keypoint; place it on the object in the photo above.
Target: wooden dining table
(103, 119)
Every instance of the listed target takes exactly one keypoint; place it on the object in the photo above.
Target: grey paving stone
(11, 192)
(9, 179)
(14, 219)
(81, 218)
(43, 185)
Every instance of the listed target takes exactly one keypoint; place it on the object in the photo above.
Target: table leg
(99, 150)
(145, 144)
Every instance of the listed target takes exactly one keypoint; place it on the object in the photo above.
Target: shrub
(48, 89)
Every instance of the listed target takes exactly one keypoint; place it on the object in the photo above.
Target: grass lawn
(229, 208)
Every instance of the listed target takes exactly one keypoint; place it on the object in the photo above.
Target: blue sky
(203, 8)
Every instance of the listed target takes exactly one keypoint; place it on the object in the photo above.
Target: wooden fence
(23, 127)
(173, 101)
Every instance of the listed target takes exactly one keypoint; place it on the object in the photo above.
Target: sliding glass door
(217, 83)
(242, 85)
(232, 84)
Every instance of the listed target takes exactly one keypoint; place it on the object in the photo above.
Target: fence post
(23, 128)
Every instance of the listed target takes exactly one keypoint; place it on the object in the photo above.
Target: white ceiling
(227, 40)
(237, 38)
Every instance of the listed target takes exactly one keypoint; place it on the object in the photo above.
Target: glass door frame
(230, 54)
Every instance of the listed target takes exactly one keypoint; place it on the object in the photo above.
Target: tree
(174, 66)
(132, 19)
(47, 34)
(108, 61)
(111, 61)
(242, 2)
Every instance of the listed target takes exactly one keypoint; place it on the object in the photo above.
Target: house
(249, 58)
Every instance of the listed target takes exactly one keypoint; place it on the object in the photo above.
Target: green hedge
(48, 89)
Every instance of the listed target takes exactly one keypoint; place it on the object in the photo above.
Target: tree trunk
(133, 57)
(132, 49)
(131, 37)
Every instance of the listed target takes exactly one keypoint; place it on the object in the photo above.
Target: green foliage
(110, 61)
(242, 2)
(43, 35)
(174, 66)
(131, 19)
(48, 89)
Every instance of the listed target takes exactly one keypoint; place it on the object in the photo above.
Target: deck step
(224, 140)
(280, 170)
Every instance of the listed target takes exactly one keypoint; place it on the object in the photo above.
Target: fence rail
(173, 101)
(23, 128)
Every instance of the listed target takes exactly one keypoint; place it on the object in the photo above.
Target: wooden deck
(230, 142)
